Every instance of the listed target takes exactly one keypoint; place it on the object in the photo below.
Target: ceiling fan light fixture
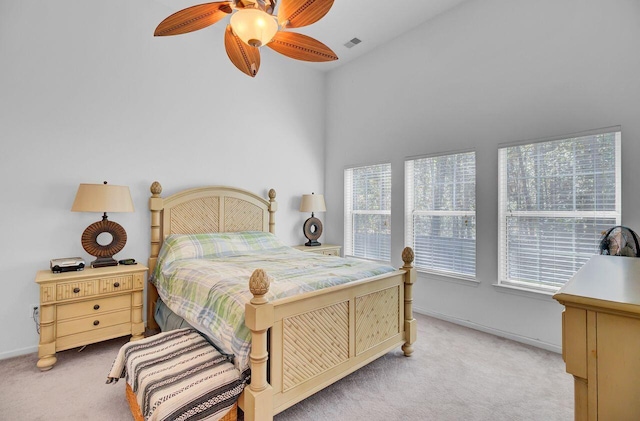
(253, 26)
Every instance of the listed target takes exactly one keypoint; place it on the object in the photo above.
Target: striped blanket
(204, 279)
(178, 375)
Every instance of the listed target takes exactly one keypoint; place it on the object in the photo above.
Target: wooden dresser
(327, 249)
(92, 305)
(601, 338)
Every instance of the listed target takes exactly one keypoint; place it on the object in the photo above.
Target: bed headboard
(206, 209)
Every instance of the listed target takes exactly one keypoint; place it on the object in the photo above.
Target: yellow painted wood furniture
(315, 338)
(92, 305)
(326, 249)
(601, 338)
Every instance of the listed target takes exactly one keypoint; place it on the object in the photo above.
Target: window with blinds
(367, 212)
(440, 213)
(555, 199)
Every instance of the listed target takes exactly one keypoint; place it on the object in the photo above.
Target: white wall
(88, 94)
(485, 73)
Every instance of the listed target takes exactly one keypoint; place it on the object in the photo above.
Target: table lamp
(312, 227)
(103, 198)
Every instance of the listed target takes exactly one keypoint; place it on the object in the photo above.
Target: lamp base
(101, 262)
(312, 229)
(104, 253)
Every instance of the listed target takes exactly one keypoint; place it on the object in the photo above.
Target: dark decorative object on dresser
(312, 227)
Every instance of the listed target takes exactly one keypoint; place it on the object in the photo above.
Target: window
(440, 217)
(367, 212)
(556, 198)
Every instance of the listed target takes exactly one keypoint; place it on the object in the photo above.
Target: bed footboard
(320, 337)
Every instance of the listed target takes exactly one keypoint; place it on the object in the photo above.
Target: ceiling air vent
(354, 41)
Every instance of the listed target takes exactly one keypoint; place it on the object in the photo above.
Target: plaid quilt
(204, 278)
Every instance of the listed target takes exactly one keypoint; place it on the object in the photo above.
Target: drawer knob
(96, 322)
(76, 290)
(116, 284)
(96, 307)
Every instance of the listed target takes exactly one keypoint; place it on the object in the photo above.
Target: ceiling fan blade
(301, 47)
(243, 56)
(193, 18)
(299, 13)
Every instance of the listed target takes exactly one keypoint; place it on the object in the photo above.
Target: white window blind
(555, 199)
(367, 213)
(440, 217)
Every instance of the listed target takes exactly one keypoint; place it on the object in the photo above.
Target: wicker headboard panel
(205, 209)
(208, 209)
(220, 213)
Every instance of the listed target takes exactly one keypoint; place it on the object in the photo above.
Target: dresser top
(89, 272)
(605, 281)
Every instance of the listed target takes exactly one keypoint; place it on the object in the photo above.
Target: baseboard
(497, 332)
(465, 323)
(18, 352)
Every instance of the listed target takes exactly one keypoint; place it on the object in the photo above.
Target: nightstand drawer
(92, 322)
(84, 338)
(93, 306)
(333, 252)
(115, 284)
(79, 289)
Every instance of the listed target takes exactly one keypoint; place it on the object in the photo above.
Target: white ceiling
(374, 22)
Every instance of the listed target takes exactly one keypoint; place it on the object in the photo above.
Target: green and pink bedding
(204, 278)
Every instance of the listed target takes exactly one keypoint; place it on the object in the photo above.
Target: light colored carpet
(455, 373)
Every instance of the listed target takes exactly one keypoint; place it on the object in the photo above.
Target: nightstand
(92, 305)
(327, 249)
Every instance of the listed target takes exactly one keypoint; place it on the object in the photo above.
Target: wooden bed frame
(316, 338)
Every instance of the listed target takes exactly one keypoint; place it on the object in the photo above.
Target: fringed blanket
(178, 375)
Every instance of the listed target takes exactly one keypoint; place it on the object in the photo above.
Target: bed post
(409, 321)
(155, 206)
(258, 400)
(273, 207)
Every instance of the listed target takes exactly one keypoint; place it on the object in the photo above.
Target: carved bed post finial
(259, 286)
(407, 257)
(259, 317)
(409, 322)
(156, 189)
(273, 207)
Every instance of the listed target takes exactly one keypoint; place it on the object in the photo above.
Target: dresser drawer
(92, 336)
(332, 252)
(93, 306)
(116, 283)
(97, 321)
(70, 290)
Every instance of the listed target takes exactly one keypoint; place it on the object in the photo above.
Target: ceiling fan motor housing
(264, 5)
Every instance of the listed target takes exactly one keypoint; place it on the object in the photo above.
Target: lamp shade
(312, 203)
(102, 198)
(253, 26)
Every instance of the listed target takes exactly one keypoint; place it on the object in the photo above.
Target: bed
(298, 344)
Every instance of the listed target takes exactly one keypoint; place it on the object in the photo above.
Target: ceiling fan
(253, 25)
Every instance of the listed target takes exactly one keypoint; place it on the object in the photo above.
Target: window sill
(525, 292)
(441, 276)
